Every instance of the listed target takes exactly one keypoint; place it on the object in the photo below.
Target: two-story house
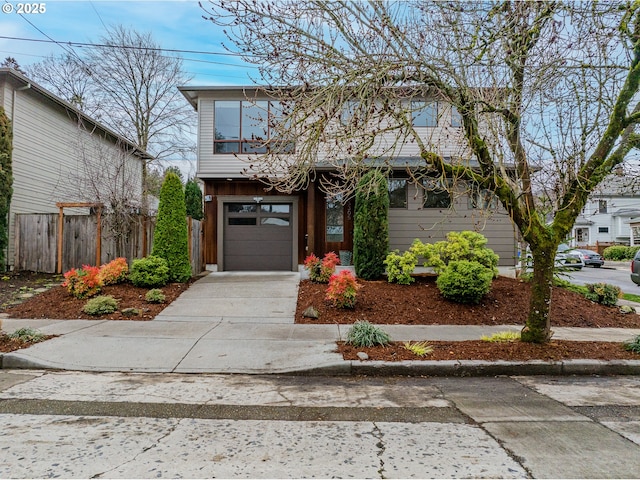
(606, 218)
(250, 228)
(54, 147)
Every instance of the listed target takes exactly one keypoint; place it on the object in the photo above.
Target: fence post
(60, 227)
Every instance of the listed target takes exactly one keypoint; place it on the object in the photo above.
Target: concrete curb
(475, 368)
(427, 368)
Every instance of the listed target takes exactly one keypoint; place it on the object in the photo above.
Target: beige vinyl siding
(45, 158)
(432, 224)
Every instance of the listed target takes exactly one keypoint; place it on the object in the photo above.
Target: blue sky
(174, 24)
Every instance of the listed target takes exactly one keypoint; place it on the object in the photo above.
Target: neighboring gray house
(53, 145)
(248, 228)
(607, 216)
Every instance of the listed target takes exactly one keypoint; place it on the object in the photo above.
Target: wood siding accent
(219, 187)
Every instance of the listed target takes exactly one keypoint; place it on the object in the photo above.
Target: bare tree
(70, 79)
(130, 85)
(542, 91)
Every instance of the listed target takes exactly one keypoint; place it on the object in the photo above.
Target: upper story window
(602, 206)
(436, 193)
(456, 118)
(424, 114)
(482, 199)
(397, 192)
(245, 127)
(349, 110)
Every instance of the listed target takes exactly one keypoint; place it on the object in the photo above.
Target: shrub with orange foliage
(114, 272)
(84, 282)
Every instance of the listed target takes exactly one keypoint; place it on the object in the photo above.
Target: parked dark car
(635, 268)
(589, 257)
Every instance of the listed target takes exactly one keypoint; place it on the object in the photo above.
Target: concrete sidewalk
(244, 323)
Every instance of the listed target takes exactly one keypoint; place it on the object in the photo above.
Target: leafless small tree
(108, 173)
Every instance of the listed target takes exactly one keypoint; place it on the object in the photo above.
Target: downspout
(13, 128)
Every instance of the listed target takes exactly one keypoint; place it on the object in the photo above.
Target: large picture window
(245, 127)
(436, 193)
(397, 192)
(482, 199)
(424, 114)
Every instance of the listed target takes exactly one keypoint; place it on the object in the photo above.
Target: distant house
(249, 228)
(606, 218)
(53, 146)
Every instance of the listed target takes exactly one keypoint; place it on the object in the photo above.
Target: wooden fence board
(36, 242)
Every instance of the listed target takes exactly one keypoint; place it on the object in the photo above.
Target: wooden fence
(36, 242)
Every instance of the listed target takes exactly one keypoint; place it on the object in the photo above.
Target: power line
(122, 47)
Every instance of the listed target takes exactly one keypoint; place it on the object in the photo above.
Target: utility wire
(122, 47)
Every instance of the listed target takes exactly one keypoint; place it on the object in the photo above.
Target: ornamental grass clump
(365, 334)
(101, 305)
(320, 271)
(500, 337)
(83, 282)
(633, 345)
(114, 272)
(342, 290)
(421, 349)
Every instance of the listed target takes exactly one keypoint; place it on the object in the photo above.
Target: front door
(338, 224)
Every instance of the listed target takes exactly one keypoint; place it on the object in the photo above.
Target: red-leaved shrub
(83, 282)
(342, 289)
(114, 272)
(321, 271)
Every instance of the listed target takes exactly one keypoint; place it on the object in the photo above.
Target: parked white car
(564, 258)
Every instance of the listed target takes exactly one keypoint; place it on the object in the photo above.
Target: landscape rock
(311, 312)
(130, 312)
(362, 356)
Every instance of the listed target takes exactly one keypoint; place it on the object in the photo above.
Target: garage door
(258, 236)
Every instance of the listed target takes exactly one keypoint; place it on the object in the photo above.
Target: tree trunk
(538, 326)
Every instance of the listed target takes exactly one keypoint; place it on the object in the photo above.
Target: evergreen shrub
(342, 290)
(463, 281)
(155, 295)
(171, 238)
(149, 272)
(101, 305)
(114, 272)
(371, 225)
(603, 293)
(193, 200)
(616, 253)
(6, 183)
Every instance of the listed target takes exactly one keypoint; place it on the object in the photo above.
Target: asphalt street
(136, 425)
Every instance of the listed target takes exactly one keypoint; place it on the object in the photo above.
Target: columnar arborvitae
(193, 199)
(371, 226)
(6, 182)
(170, 238)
